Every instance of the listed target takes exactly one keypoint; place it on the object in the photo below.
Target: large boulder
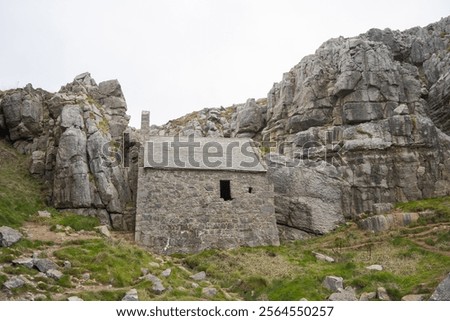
(9, 236)
(442, 292)
(74, 138)
(250, 119)
(307, 198)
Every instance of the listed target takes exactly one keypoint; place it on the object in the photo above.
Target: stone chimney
(145, 121)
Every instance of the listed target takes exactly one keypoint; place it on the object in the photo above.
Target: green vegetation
(291, 272)
(440, 206)
(108, 262)
(76, 222)
(414, 258)
(20, 193)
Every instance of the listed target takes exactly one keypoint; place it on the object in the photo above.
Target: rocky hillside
(73, 137)
(358, 126)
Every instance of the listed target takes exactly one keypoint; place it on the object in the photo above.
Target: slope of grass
(291, 272)
(20, 193)
(439, 205)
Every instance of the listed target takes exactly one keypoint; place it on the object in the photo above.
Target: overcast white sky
(173, 57)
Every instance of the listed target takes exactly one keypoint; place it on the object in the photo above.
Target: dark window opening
(250, 190)
(225, 190)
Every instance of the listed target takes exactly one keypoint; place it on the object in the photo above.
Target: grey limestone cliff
(372, 110)
(73, 137)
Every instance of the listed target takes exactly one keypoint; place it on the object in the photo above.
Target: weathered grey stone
(54, 274)
(307, 198)
(103, 230)
(67, 265)
(158, 288)
(86, 276)
(71, 117)
(333, 283)
(199, 276)
(323, 257)
(40, 297)
(25, 261)
(442, 292)
(14, 283)
(9, 236)
(45, 214)
(44, 265)
(414, 297)
(347, 294)
(166, 272)
(402, 110)
(367, 296)
(382, 294)
(167, 198)
(209, 292)
(131, 295)
(375, 267)
(74, 298)
(249, 119)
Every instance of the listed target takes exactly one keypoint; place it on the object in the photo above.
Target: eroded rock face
(364, 103)
(73, 137)
(374, 108)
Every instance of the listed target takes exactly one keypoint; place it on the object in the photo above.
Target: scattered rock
(67, 265)
(25, 261)
(43, 265)
(382, 294)
(59, 228)
(199, 276)
(154, 265)
(323, 257)
(54, 274)
(75, 298)
(347, 294)
(414, 297)
(144, 271)
(131, 295)
(103, 230)
(367, 296)
(45, 214)
(194, 285)
(333, 283)
(85, 276)
(209, 292)
(9, 236)
(166, 272)
(40, 297)
(14, 283)
(150, 277)
(442, 292)
(158, 288)
(375, 267)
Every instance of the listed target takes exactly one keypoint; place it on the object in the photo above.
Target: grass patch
(76, 222)
(103, 295)
(108, 262)
(439, 205)
(20, 193)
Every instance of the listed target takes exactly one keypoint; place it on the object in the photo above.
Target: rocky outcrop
(308, 197)
(373, 108)
(442, 292)
(74, 138)
(9, 236)
(361, 124)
